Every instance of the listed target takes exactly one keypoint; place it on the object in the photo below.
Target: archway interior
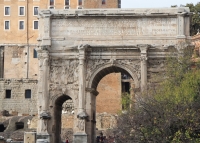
(108, 102)
(58, 115)
(106, 71)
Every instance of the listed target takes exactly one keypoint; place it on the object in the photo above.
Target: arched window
(103, 1)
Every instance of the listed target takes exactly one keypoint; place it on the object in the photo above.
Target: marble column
(1, 61)
(43, 94)
(143, 58)
(80, 135)
(81, 94)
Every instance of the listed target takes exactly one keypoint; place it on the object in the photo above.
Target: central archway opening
(112, 83)
(64, 118)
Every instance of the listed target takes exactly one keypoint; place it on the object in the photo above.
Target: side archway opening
(63, 118)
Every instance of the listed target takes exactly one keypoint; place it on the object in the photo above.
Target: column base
(80, 137)
(43, 138)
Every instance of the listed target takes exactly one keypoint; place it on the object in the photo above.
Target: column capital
(81, 49)
(143, 58)
(45, 115)
(45, 14)
(42, 52)
(92, 90)
(143, 48)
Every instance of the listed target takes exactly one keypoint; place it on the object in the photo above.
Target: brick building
(18, 57)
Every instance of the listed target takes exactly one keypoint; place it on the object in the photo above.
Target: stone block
(80, 138)
(29, 137)
(43, 138)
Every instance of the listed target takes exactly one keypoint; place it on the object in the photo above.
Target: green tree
(126, 100)
(171, 113)
(195, 20)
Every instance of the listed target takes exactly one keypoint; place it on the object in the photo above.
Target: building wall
(17, 63)
(109, 98)
(22, 42)
(28, 35)
(17, 103)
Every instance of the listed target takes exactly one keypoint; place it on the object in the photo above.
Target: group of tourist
(104, 139)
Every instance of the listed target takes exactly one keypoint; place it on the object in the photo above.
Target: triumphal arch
(78, 47)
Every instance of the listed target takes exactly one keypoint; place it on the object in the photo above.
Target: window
(35, 24)
(27, 93)
(8, 93)
(21, 25)
(119, 3)
(7, 25)
(35, 10)
(51, 2)
(21, 11)
(34, 53)
(66, 2)
(103, 1)
(7, 11)
(80, 2)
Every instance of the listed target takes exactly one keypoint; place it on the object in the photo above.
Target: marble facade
(77, 48)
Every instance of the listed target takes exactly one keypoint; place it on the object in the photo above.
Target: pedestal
(30, 137)
(80, 138)
(43, 138)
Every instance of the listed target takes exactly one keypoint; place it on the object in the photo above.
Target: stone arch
(57, 114)
(98, 74)
(95, 78)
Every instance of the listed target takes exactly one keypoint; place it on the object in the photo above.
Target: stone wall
(106, 121)
(17, 103)
(103, 121)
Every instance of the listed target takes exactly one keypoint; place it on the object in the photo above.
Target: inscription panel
(114, 27)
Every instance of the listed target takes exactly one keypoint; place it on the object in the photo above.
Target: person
(67, 141)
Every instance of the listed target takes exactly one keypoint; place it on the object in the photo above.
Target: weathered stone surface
(106, 121)
(17, 102)
(67, 133)
(77, 48)
(30, 137)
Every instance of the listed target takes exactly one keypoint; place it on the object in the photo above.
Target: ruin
(77, 48)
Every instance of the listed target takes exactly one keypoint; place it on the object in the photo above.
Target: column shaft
(81, 84)
(143, 58)
(143, 74)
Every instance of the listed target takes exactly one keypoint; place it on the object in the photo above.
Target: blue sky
(154, 3)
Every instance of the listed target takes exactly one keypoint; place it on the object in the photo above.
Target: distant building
(18, 39)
